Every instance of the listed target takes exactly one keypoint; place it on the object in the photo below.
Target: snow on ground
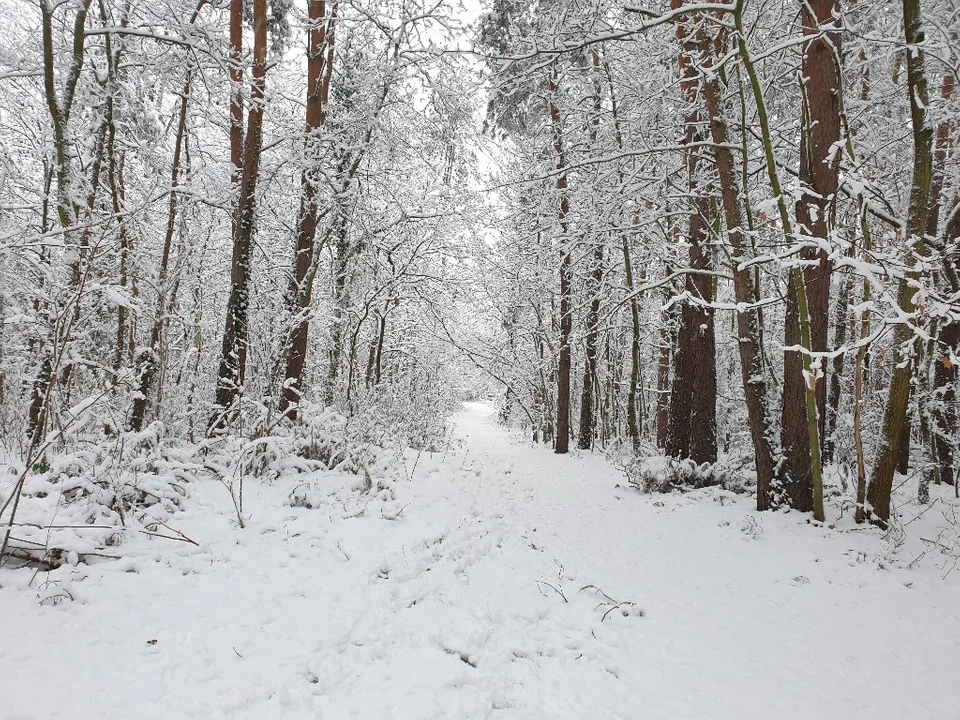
(484, 582)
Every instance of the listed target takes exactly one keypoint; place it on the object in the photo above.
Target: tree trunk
(633, 428)
(147, 363)
(947, 349)
(587, 419)
(562, 439)
(692, 423)
(944, 413)
(803, 313)
(588, 391)
(301, 284)
(819, 173)
(745, 293)
(663, 383)
(118, 197)
(59, 107)
(941, 144)
(836, 372)
(633, 425)
(340, 302)
(236, 96)
(903, 453)
(233, 361)
(861, 362)
(881, 481)
(117, 191)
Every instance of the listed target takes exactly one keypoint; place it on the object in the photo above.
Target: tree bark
(147, 362)
(236, 95)
(819, 174)
(562, 437)
(320, 39)
(836, 373)
(786, 223)
(587, 419)
(59, 107)
(633, 428)
(947, 349)
(633, 425)
(233, 361)
(692, 423)
(745, 294)
(588, 390)
(881, 481)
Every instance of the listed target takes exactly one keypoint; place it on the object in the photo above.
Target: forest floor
(491, 580)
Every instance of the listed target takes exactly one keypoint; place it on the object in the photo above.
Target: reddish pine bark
(744, 291)
(819, 168)
(232, 370)
(319, 71)
(692, 422)
(562, 440)
(236, 92)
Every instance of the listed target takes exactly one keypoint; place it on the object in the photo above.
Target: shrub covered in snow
(80, 502)
(663, 474)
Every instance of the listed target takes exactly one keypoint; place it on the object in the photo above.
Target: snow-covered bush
(662, 474)
(412, 412)
(78, 503)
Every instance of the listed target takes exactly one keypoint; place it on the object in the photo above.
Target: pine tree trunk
(786, 223)
(236, 97)
(233, 361)
(564, 360)
(745, 293)
(692, 423)
(819, 173)
(301, 285)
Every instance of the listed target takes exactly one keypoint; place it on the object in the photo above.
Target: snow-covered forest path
(481, 584)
